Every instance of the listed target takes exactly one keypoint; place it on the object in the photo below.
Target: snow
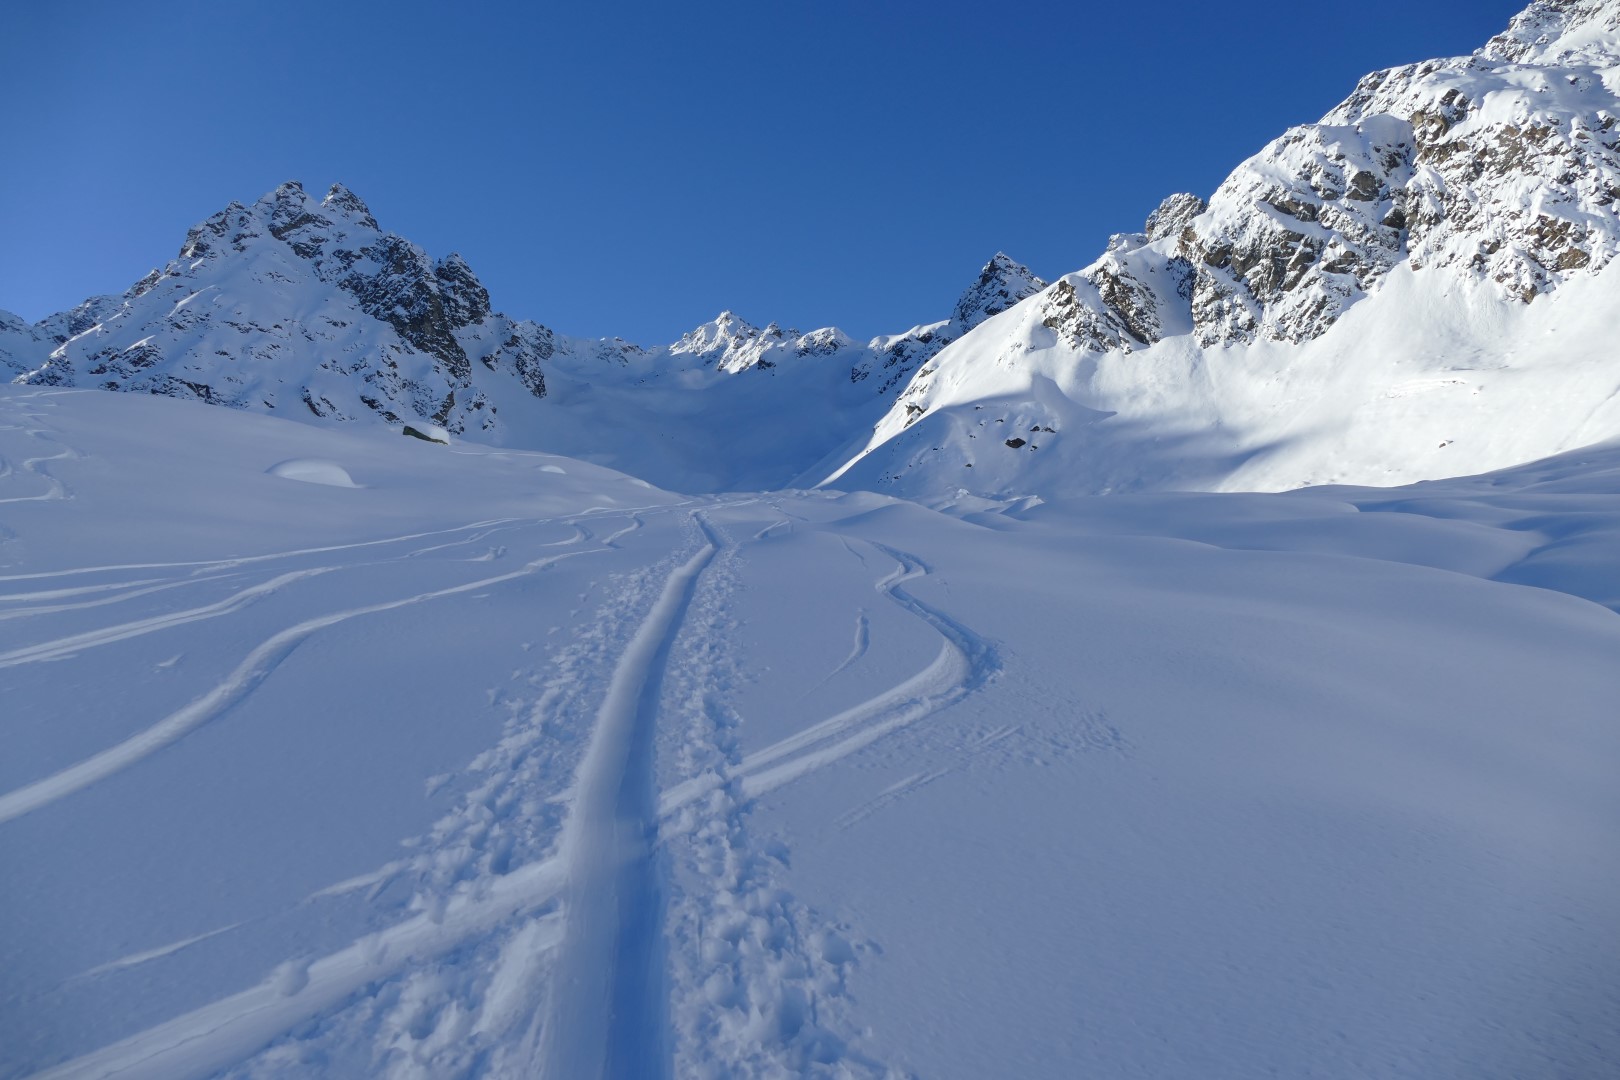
(1144, 675)
(311, 471)
(1432, 376)
(486, 768)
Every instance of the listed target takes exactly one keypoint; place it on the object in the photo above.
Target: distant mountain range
(1421, 284)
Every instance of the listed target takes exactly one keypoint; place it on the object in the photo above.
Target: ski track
(82, 590)
(758, 980)
(54, 488)
(64, 647)
(200, 1043)
(206, 565)
(253, 670)
(139, 589)
(606, 1009)
(966, 662)
(900, 789)
(608, 939)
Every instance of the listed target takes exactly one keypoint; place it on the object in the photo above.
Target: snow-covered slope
(308, 308)
(396, 760)
(1418, 285)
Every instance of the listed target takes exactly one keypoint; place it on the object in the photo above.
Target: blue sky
(632, 169)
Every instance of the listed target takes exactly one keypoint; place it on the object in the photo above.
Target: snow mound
(313, 471)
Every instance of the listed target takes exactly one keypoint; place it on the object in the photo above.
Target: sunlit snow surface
(503, 764)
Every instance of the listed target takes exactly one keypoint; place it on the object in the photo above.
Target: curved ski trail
(253, 670)
(966, 662)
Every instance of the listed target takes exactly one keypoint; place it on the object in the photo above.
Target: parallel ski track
(247, 675)
(259, 663)
(197, 1044)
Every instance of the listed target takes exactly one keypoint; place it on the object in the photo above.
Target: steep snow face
(303, 307)
(18, 344)
(1449, 206)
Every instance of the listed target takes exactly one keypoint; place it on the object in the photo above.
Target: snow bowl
(313, 471)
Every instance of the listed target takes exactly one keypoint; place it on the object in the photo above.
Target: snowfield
(328, 752)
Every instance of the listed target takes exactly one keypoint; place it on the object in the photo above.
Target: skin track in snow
(608, 1010)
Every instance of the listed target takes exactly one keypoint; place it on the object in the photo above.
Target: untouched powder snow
(503, 764)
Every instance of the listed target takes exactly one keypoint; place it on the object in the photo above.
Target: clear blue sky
(632, 169)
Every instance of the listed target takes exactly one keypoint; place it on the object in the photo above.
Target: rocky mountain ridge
(1491, 179)
(292, 302)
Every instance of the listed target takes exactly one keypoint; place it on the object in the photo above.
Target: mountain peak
(1002, 283)
(341, 198)
(717, 337)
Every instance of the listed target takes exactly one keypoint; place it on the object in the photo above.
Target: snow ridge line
(607, 1004)
(247, 675)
